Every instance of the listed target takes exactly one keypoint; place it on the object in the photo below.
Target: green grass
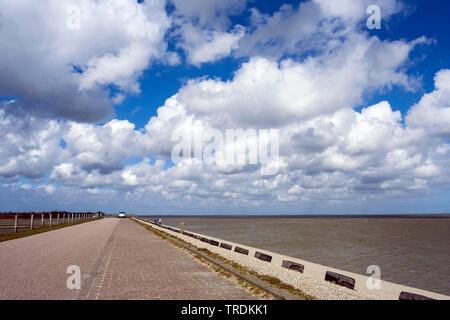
(26, 233)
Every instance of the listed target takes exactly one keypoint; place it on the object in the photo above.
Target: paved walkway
(119, 259)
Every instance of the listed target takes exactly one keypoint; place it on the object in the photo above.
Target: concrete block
(263, 256)
(340, 279)
(293, 266)
(213, 242)
(226, 246)
(412, 296)
(241, 250)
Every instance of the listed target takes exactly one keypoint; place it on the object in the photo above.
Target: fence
(18, 222)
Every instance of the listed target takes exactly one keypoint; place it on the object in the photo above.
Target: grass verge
(26, 233)
(241, 269)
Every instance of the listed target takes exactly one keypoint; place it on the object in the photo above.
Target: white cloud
(204, 28)
(48, 188)
(329, 153)
(311, 28)
(122, 70)
(41, 58)
(209, 46)
(368, 152)
(356, 10)
(275, 93)
(432, 112)
(26, 186)
(102, 148)
(209, 13)
(29, 146)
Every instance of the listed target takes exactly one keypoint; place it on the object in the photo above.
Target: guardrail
(16, 222)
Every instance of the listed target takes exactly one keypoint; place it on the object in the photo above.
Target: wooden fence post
(64, 218)
(50, 219)
(57, 218)
(31, 221)
(42, 220)
(15, 223)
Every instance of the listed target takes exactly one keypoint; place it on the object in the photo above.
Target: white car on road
(121, 215)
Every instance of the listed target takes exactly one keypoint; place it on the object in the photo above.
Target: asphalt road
(118, 259)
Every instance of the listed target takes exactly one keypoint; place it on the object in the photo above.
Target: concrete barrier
(263, 256)
(294, 268)
(226, 246)
(241, 250)
(214, 242)
(412, 296)
(205, 240)
(340, 279)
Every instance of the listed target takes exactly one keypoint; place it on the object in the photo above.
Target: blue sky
(99, 136)
(422, 18)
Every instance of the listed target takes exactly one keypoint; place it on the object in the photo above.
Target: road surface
(118, 259)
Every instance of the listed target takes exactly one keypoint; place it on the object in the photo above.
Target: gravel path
(118, 260)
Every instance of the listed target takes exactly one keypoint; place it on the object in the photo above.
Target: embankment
(317, 280)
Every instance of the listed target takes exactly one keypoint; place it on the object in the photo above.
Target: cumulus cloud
(55, 67)
(356, 10)
(308, 68)
(207, 46)
(204, 28)
(275, 93)
(311, 28)
(102, 148)
(209, 12)
(29, 146)
(432, 112)
(333, 157)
